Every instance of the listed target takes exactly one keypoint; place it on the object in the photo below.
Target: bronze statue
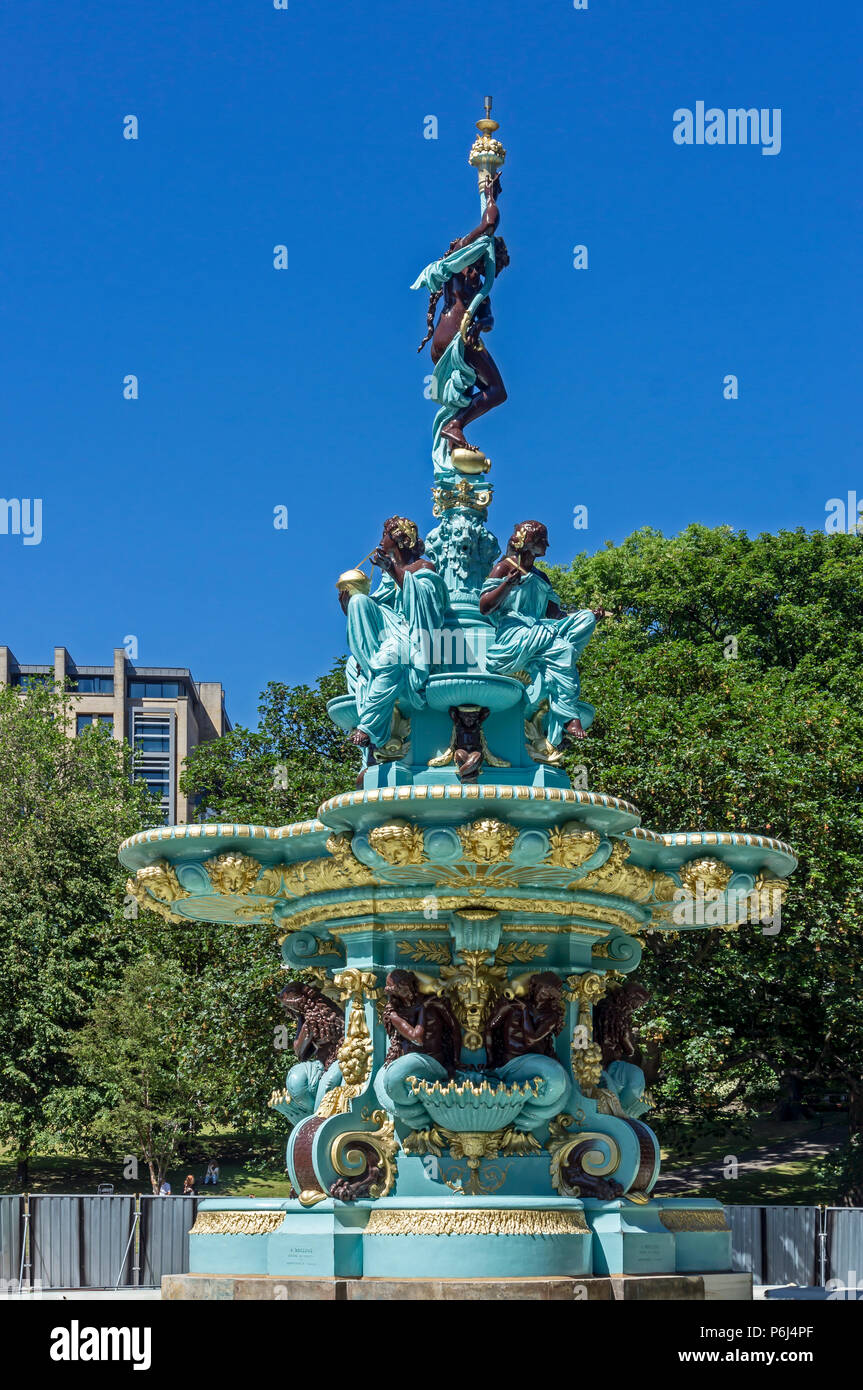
(518, 1027)
(535, 634)
(391, 633)
(417, 1022)
(612, 1022)
(321, 1023)
(401, 549)
(459, 290)
(468, 744)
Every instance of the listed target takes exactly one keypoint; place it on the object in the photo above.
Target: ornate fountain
(466, 1099)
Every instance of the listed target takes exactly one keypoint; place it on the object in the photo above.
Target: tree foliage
(727, 689)
(284, 769)
(135, 1096)
(65, 805)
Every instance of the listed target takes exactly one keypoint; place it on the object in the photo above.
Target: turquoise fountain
(461, 927)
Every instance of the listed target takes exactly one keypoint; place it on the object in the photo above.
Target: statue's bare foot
(455, 434)
(469, 766)
(573, 730)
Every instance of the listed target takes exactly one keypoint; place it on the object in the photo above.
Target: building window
(153, 749)
(26, 679)
(92, 685)
(156, 690)
(86, 721)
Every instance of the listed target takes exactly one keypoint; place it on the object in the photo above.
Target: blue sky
(303, 388)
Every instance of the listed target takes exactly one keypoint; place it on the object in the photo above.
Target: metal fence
(55, 1241)
(105, 1242)
(798, 1245)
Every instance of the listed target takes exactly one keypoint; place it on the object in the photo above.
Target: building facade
(161, 711)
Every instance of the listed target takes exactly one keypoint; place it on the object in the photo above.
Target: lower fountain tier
(468, 1238)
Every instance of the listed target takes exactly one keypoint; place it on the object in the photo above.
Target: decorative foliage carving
(585, 1054)
(628, 880)
(424, 1141)
(437, 952)
(462, 495)
(521, 951)
(341, 870)
(355, 1053)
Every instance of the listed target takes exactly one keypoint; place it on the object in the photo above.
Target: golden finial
(487, 126)
(487, 154)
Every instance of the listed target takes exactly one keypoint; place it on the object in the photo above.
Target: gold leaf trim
(371, 907)
(236, 1223)
(694, 1220)
(476, 1223)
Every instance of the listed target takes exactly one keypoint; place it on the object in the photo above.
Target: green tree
(284, 769)
(65, 805)
(728, 697)
(135, 1097)
(229, 1030)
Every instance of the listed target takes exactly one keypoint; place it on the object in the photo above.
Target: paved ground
(799, 1150)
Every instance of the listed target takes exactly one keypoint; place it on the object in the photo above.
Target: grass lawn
(240, 1176)
(787, 1180)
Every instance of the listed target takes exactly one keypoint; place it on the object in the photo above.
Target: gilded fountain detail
(464, 921)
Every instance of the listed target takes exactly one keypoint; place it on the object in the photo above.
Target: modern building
(160, 710)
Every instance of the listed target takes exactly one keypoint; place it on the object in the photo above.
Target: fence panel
(792, 1246)
(81, 1241)
(11, 1209)
(845, 1245)
(746, 1245)
(55, 1240)
(165, 1224)
(107, 1224)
